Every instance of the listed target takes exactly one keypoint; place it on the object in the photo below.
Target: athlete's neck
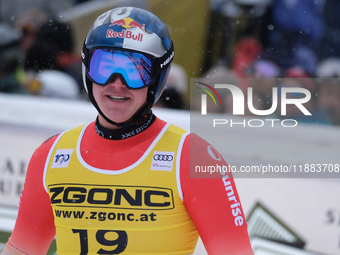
(125, 132)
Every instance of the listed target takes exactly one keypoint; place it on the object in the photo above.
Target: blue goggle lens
(135, 68)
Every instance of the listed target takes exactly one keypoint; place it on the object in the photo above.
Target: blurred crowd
(36, 49)
(250, 43)
(276, 44)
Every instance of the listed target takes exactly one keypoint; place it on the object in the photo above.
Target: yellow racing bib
(136, 210)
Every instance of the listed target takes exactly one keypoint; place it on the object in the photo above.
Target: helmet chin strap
(138, 117)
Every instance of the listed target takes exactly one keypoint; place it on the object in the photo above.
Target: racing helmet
(141, 45)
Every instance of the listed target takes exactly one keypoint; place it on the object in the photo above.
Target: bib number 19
(120, 242)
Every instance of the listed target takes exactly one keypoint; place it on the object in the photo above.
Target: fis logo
(201, 85)
(62, 158)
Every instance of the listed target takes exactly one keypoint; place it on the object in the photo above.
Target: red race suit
(212, 203)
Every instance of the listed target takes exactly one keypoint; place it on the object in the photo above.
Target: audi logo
(163, 157)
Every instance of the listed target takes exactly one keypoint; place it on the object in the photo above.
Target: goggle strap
(164, 61)
(84, 54)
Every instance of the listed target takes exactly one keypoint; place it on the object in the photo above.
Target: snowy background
(310, 206)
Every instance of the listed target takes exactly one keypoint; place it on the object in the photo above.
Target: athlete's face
(117, 102)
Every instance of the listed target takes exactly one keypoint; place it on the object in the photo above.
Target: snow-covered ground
(306, 202)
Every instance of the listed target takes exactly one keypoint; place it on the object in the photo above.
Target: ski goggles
(138, 70)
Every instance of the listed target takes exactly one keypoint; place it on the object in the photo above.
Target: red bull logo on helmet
(126, 23)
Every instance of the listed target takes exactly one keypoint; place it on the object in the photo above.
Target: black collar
(125, 132)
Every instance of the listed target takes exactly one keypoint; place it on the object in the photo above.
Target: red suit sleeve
(34, 228)
(212, 200)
